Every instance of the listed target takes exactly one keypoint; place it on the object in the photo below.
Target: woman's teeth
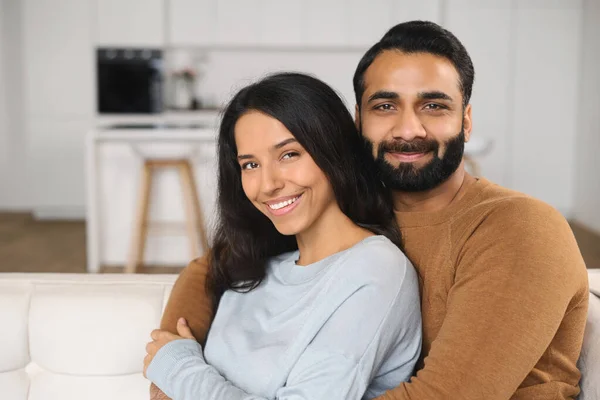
(277, 206)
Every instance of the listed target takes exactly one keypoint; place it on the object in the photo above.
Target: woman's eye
(289, 155)
(249, 165)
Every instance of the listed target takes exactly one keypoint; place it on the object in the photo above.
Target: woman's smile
(283, 205)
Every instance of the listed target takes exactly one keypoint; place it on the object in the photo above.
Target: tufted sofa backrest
(77, 336)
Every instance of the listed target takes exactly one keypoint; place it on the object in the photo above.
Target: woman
(315, 298)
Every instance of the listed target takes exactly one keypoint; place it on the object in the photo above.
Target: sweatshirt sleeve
(339, 363)
(516, 277)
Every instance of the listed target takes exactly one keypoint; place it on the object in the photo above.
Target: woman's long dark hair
(245, 238)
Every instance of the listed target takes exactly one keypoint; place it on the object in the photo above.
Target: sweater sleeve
(335, 365)
(516, 278)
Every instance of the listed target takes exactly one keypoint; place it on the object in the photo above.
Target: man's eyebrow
(274, 147)
(434, 95)
(383, 94)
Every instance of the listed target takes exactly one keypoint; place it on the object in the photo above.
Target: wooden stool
(195, 227)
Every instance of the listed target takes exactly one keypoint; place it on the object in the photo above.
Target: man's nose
(408, 126)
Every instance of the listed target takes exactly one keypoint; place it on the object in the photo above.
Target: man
(503, 285)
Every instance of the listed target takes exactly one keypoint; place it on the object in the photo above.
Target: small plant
(189, 74)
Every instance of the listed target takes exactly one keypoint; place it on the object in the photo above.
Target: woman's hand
(161, 337)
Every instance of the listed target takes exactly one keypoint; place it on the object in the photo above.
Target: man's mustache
(414, 146)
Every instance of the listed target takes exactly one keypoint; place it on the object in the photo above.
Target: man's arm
(189, 300)
(515, 279)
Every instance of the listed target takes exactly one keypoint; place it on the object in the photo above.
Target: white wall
(59, 101)
(587, 172)
(13, 174)
(487, 31)
(3, 114)
(544, 107)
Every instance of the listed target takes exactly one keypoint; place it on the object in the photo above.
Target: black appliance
(129, 81)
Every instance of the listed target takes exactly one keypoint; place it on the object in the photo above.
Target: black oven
(129, 81)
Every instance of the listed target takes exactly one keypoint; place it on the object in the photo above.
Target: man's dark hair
(420, 37)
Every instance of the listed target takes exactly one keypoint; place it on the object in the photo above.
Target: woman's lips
(285, 209)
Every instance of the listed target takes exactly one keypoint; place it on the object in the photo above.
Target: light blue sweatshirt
(345, 327)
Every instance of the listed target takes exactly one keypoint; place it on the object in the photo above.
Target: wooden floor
(27, 245)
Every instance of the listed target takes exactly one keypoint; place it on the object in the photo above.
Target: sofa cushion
(14, 307)
(589, 361)
(101, 329)
(77, 336)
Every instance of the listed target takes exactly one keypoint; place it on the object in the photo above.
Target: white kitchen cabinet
(129, 23)
(301, 24)
(429, 10)
(367, 22)
(234, 23)
(545, 101)
(58, 58)
(484, 27)
(237, 22)
(281, 22)
(192, 22)
(326, 23)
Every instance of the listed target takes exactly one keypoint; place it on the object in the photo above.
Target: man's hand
(157, 394)
(162, 337)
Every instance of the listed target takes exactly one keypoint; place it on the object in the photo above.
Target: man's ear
(357, 117)
(467, 122)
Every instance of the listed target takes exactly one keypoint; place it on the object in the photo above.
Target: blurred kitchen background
(105, 105)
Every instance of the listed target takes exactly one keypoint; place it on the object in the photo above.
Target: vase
(181, 94)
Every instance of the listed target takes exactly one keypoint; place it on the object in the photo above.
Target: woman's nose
(271, 180)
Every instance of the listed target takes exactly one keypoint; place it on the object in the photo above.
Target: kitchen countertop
(210, 116)
(154, 131)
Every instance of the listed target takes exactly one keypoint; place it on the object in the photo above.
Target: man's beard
(408, 178)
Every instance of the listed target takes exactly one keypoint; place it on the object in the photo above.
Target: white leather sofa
(77, 337)
(82, 337)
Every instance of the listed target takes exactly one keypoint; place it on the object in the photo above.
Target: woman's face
(279, 176)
